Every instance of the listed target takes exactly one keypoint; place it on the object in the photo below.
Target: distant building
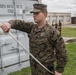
(73, 20)
(73, 17)
(64, 17)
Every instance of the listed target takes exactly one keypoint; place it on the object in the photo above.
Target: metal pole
(2, 66)
(15, 13)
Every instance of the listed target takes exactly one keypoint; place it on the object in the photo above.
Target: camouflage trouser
(36, 69)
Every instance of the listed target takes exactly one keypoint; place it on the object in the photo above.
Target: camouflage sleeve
(60, 49)
(21, 25)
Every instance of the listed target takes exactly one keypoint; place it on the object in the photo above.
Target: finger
(5, 29)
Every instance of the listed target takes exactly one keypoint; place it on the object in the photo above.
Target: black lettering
(2, 6)
(9, 6)
(19, 6)
(10, 10)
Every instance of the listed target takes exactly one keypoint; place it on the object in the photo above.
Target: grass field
(68, 32)
(24, 71)
(70, 68)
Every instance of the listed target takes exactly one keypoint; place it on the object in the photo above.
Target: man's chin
(36, 22)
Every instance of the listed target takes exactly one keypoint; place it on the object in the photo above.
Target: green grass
(24, 71)
(70, 68)
(68, 32)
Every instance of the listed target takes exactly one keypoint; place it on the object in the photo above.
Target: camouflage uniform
(42, 43)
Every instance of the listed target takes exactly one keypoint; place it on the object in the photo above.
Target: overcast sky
(61, 6)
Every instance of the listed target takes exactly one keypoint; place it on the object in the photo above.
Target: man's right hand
(6, 27)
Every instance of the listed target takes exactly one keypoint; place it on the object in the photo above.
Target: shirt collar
(41, 29)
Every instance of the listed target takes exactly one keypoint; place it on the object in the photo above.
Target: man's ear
(45, 14)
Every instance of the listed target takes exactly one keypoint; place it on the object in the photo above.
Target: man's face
(39, 16)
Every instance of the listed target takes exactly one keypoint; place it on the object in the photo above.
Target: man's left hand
(57, 73)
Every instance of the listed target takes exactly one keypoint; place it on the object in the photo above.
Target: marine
(45, 42)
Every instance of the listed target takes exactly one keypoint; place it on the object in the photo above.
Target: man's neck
(41, 24)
